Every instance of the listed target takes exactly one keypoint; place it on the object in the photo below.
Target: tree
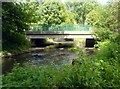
(81, 9)
(105, 16)
(105, 20)
(19, 16)
(15, 20)
(54, 13)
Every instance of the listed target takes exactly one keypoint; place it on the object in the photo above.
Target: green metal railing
(62, 27)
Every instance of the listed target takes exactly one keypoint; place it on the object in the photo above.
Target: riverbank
(8, 54)
(89, 51)
(5, 54)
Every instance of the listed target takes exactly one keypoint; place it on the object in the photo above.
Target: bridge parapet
(61, 27)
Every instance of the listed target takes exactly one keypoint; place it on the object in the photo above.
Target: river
(42, 56)
(39, 57)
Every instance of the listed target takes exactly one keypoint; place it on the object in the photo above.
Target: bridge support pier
(90, 42)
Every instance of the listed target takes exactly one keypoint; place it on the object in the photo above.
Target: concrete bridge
(59, 34)
(40, 35)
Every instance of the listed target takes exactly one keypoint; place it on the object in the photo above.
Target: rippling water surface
(55, 57)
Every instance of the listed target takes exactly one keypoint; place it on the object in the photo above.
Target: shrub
(16, 42)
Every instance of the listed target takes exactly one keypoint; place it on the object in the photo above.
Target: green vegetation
(54, 13)
(13, 25)
(101, 70)
(80, 9)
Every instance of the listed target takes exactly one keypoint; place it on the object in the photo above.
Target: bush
(15, 42)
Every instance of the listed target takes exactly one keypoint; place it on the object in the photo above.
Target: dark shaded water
(56, 57)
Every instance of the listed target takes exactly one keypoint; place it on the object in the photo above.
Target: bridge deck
(59, 34)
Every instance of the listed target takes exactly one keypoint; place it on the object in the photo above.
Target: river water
(56, 57)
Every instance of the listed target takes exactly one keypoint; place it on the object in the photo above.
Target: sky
(103, 1)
